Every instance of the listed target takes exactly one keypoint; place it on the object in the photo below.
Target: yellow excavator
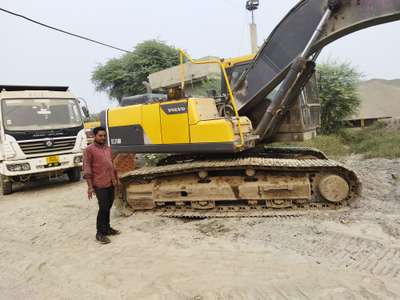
(218, 164)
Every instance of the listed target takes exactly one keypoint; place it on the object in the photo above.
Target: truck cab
(41, 134)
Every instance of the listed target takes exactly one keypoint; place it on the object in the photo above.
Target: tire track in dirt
(352, 253)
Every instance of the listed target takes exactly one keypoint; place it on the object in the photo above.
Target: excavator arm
(300, 36)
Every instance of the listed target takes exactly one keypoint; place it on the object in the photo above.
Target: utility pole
(252, 5)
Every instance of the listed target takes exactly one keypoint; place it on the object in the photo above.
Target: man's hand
(90, 193)
(118, 185)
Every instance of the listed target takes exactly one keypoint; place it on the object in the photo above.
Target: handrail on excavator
(183, 54)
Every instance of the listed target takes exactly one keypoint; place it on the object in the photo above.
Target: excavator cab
(178, 124)
(302, 119)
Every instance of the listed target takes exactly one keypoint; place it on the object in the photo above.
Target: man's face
(100, 137)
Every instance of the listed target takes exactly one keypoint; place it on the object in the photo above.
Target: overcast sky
(31, 54)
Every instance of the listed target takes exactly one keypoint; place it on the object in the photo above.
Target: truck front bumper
(40, 165)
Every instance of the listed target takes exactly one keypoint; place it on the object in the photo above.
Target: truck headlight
(78, 159)
(19, 167)
(89, 134)
(26, 167)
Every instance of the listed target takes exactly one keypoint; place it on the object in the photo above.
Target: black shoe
(113, 231)
(102, 239)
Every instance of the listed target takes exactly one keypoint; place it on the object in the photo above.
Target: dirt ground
(48, 251)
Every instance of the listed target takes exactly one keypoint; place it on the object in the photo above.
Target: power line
(63, 31)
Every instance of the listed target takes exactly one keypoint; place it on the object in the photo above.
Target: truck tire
(74, 174)
(6, 186)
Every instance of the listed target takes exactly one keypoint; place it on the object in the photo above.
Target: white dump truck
(41, 134)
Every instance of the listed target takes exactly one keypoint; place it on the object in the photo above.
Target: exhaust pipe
(147, 85)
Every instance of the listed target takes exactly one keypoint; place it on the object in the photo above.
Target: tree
(205, 86)
(337, 86)
(124, 76)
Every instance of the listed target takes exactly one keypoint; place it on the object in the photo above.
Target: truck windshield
(40, 114)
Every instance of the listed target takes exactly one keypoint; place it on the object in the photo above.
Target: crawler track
(254, 186)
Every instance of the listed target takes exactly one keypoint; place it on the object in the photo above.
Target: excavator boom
(291, 36)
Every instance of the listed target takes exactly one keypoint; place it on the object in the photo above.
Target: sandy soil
(47, 250)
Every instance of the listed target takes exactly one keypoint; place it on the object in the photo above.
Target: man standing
(102, 179)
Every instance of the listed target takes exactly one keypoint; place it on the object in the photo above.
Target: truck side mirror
(85, 111)
(84, 107)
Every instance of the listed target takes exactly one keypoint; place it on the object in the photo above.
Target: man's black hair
(98, 129)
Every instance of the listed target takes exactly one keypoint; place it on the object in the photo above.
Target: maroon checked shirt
(98, 165)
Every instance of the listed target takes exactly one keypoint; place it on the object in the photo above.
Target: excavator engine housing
(185, 126)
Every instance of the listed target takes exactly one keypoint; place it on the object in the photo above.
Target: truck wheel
(6, 186)
(74, 174)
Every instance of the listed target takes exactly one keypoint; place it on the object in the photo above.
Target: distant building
(195, 75)
(380, 100)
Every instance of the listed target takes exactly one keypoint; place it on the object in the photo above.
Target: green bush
(337, 88)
